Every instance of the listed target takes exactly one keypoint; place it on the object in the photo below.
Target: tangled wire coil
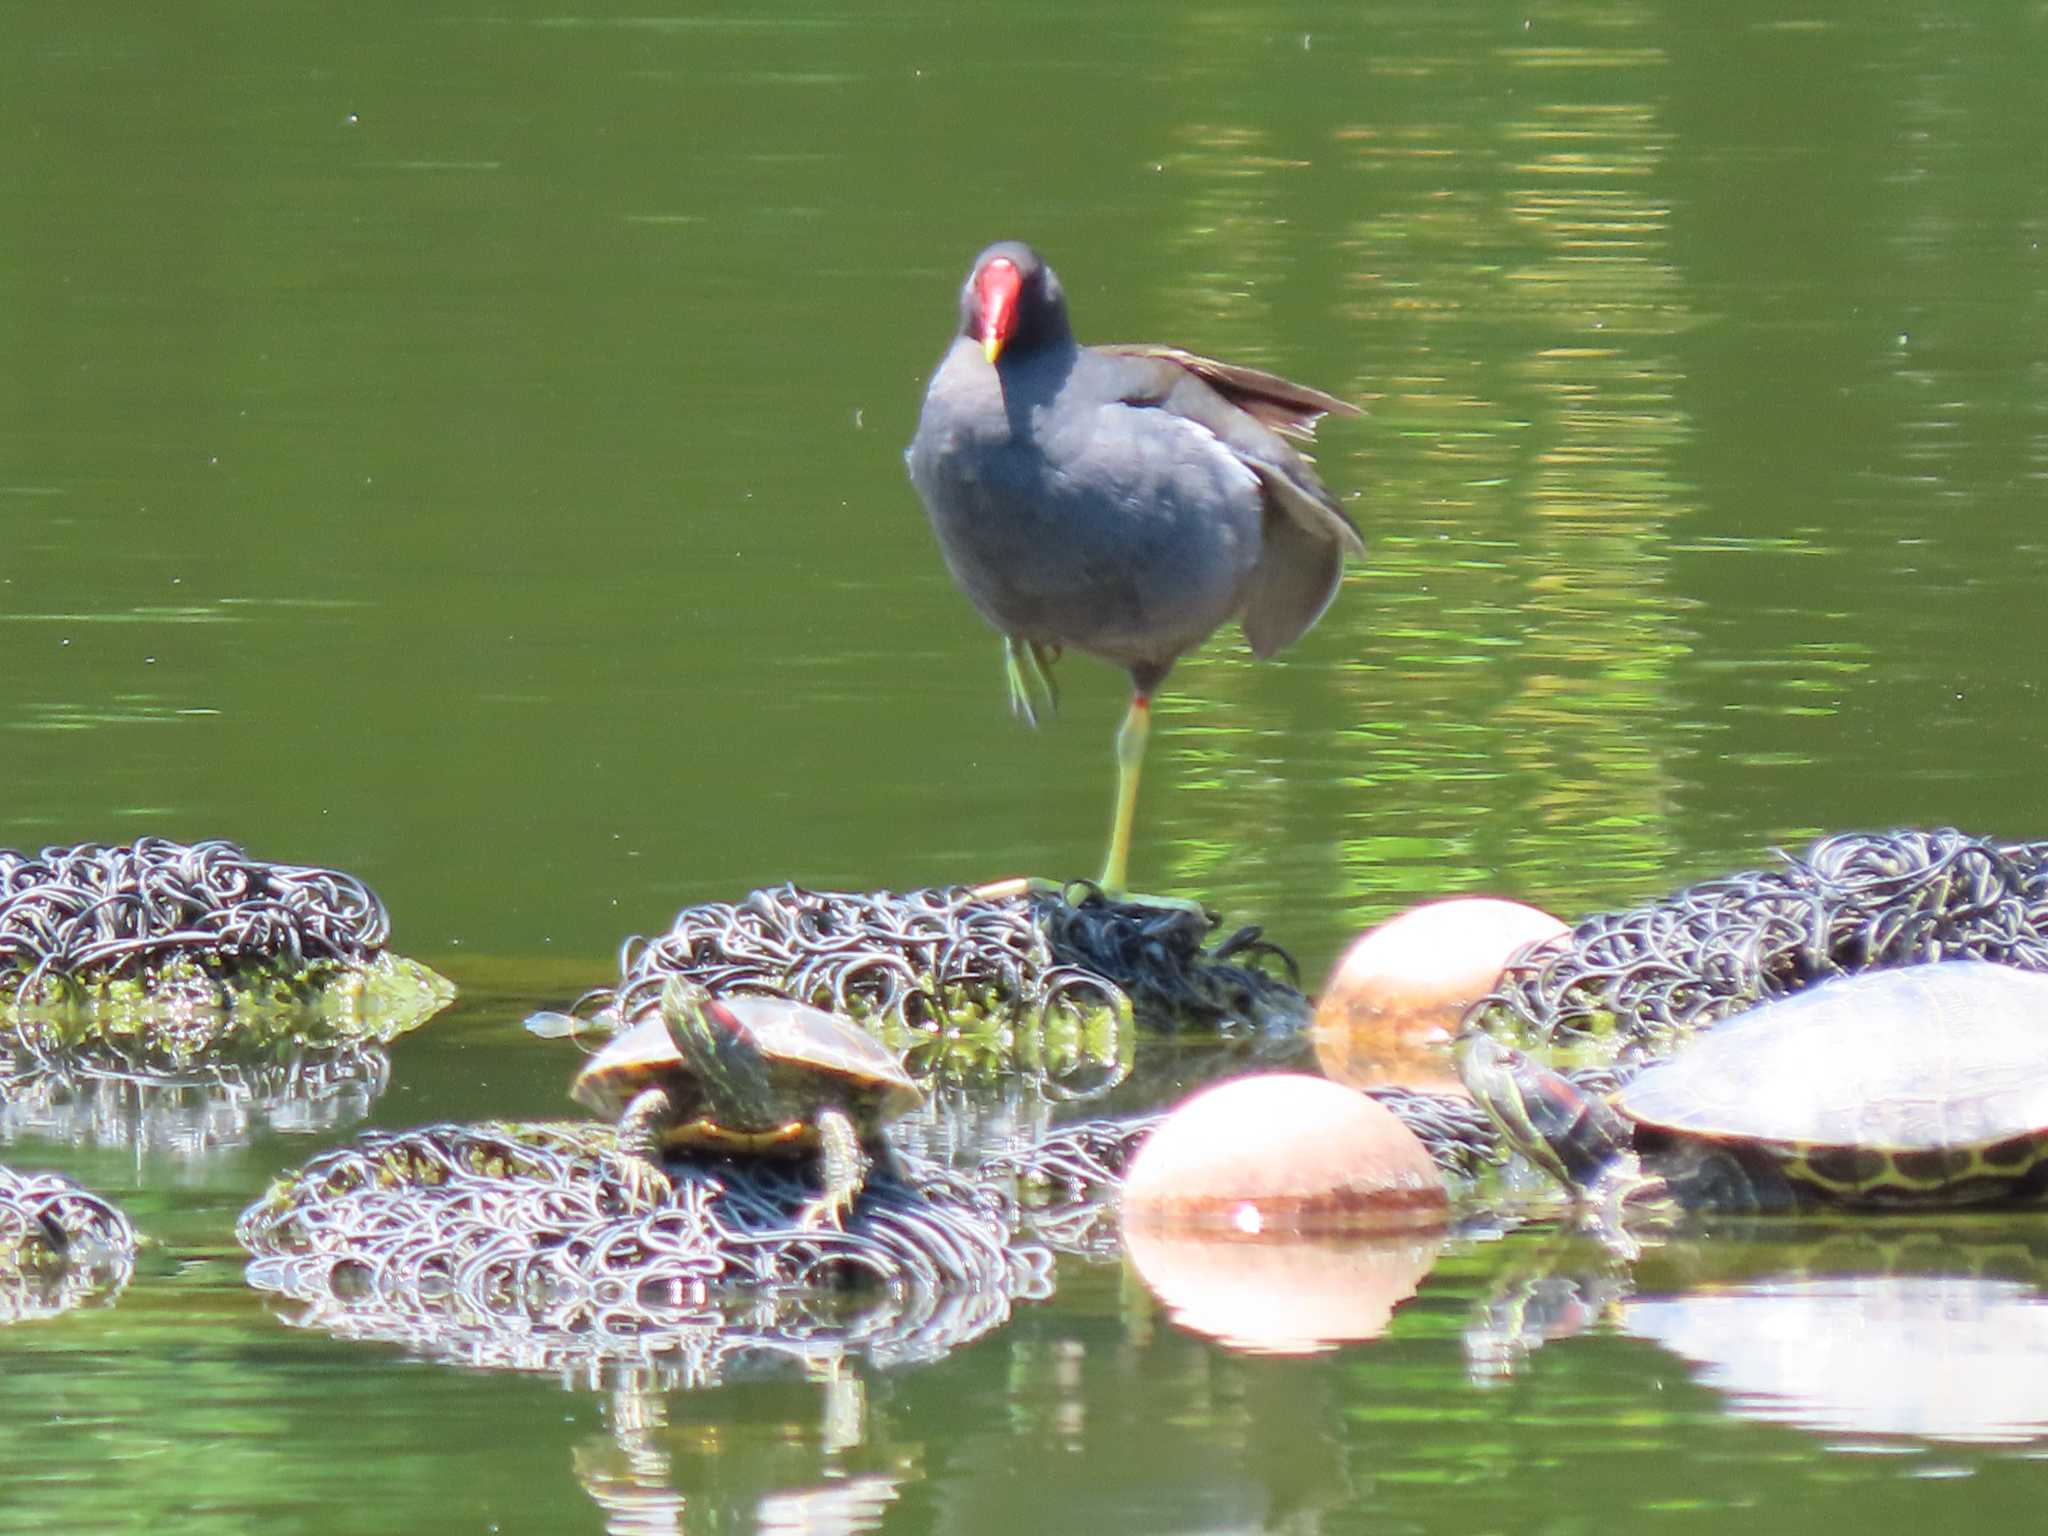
(175, 954)
(112, 910)
(1851, 902)
(918, 958)
(518, 1245)
(1068, 1179)
(1456, 1131)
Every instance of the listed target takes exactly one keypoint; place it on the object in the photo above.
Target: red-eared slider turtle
(1925, 1085)
(747, 1075)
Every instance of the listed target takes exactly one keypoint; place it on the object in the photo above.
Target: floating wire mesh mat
(962, 989)
(184, 945)
(1634, 980)
(1066, 1182)
(102, 1093)
(967, 987)
(1454, 1129)
(517, 1246)
(60, 1246)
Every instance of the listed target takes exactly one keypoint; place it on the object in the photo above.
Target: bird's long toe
(1027, 666)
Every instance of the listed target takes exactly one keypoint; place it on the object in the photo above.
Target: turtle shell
(797, 1035)
(1920, 1077)
(813, 1060)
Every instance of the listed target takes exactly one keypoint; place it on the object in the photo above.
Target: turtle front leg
(639, 1149)
(1624, 1205)
(846, 1170)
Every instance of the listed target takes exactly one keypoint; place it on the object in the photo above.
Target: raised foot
(1027, 666)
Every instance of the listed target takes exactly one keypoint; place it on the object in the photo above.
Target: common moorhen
(1123, 500)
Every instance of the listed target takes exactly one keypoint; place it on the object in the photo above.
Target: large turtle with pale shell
(740, 1076)
(1924, 1085)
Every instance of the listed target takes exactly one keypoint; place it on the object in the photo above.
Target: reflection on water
(1524, 624)
(98, 1100)
(651, 1478)
(61, 1246)
(1937, 1357)
(1857, 1328)
(1285, 1296)
(1509, 297)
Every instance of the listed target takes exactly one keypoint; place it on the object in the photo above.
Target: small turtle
(1922, 1085)
(744, 1075)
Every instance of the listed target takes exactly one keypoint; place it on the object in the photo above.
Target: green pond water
(462, 444)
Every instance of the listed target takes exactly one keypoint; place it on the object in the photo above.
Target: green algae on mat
(1072, 1045)
(185, 1007)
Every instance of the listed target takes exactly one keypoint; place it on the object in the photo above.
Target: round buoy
(1399, 991)
(1282, 1154)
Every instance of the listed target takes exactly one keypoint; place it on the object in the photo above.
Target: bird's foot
(1174, 904)
(1016, 885)
(1074, 892)
(1027, 665)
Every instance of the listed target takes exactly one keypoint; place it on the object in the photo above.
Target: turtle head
(722, 1050)
(1571, 1136)
(699, 1027)
(1495, 1077)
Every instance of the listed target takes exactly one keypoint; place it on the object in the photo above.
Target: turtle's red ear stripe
(723, 1016)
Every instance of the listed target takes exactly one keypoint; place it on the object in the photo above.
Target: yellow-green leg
(1130, 758)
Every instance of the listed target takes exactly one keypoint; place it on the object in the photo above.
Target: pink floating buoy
(1398, 992)
(1279, 1155)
